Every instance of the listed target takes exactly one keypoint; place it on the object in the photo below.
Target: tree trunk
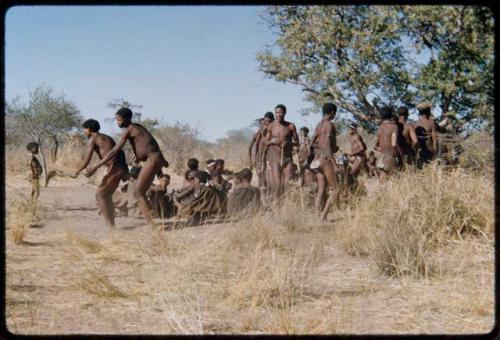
(55, 148)
(445, 102)
(44, 163)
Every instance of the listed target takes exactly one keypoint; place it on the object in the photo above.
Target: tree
(45, 117)
(362, 57)
(459, 74)
(148, 123)
(349, 54)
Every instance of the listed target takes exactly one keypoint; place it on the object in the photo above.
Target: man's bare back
(387, 138)
(103, 144)
(387, 144)
(324, 142)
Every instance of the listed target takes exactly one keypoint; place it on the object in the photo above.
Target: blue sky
(189, 64)
(192, 64)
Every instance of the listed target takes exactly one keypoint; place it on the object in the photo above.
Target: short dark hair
(305, 129)
(329, 108)
(92, 125)
(281, 106)
(403, 111)
(203, 176)
(424, 112)
(193, 164)
(167, 176)
(125, 113)
(245, 174)
(270, 115)
(32, 145)
(386, 112)
(220, 161)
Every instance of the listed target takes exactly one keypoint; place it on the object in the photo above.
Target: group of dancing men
(276, 152)
(319, 160)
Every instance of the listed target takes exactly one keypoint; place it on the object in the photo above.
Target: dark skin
(103, 144)
(307, 177)
(259, 141)
(255, 142)
(146, 150)
(409, 139)
(281, 136)
(387, 144)
(325, 137)
(426, 135)
(358, 152)
(35, 172)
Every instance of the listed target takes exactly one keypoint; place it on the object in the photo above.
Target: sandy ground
(45, 272)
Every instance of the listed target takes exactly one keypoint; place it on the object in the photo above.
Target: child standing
(35, 171)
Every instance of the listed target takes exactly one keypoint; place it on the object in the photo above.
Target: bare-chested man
(408, 141)
(281, 136)
(425, 129)
(146, 150)
(387, 144)
(325, 140)
(117, 168)
(358, 149)
(258, 145)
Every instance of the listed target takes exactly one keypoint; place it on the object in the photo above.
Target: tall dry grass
(402, 226)
(21, 214)
(285, 272)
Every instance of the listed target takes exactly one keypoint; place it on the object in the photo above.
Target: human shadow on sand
(77, 208)
(36, 244)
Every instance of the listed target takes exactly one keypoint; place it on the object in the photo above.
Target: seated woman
(244, 201)
(199, 200)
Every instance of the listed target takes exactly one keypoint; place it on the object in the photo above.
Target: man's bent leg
(356, 167)
(104, 195)
(144, 180)
(318, 203)
(331, 180)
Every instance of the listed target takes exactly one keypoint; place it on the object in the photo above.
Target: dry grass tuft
(85, 244)
(98, 283)
(478, 155)
(401, 226)
(20, 215)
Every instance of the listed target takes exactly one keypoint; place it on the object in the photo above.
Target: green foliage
(360, 57)
(45, 115)
(349, 54)
(459, 74)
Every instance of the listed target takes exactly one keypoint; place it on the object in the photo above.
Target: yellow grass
(20, 215)
(401, 227)
(415, 256)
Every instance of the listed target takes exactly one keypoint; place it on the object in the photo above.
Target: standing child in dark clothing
(35, 171)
